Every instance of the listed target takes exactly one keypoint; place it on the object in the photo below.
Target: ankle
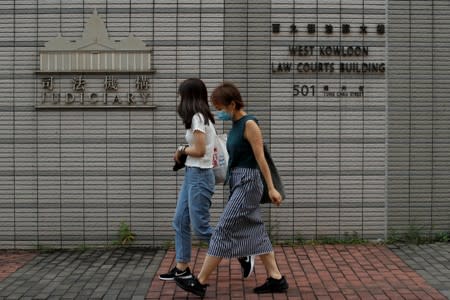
(276, 276)
(181, 266)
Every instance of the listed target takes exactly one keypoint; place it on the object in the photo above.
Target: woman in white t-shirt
(194, 199)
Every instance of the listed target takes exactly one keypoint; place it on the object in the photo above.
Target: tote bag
(276, 179)
(220, 158)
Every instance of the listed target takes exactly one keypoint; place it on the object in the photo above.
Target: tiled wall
(419, 117)
(69, 177)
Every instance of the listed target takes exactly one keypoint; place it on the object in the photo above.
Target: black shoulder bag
(276, 179)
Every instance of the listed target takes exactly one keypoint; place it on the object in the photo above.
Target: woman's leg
(275, 283)
(209, 265)
(181, 224)
(200, 194)
(270, 264)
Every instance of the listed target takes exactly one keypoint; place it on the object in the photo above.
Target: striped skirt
(240, 230)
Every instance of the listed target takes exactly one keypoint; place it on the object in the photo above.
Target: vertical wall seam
(13, 76)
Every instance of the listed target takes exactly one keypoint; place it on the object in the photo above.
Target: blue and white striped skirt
(240, 230)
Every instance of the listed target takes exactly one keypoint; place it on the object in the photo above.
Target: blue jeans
(194, 201)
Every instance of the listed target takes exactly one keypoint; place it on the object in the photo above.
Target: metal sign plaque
(95, 71)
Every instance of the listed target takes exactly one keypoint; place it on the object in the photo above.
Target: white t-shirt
(198, 123)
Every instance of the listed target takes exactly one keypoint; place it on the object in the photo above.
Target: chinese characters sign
(108, 95)
(95, 72)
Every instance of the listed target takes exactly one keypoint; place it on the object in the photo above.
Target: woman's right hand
(275, 197)
(176, 156)
(180, 151)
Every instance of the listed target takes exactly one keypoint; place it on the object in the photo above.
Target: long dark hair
(194, 99)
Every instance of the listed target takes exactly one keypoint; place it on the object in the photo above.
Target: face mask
(223, 115)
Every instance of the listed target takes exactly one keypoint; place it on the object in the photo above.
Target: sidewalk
(432, 262)
(313, 272)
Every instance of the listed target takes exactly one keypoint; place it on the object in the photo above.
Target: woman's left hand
(275, 197)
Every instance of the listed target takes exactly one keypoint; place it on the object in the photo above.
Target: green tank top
(239, 149)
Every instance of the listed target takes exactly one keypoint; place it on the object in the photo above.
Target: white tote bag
(220, 158)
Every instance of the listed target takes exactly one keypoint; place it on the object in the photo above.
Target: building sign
(324, 51)
(94, 71)
(318, 51)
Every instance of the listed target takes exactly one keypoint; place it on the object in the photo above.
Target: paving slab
(92, 274)
(431, 261)
(313, 272)
(11, 261)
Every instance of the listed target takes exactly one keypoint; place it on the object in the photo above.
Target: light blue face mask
(223, 115)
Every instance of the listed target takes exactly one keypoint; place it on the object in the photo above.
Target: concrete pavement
(431, 261)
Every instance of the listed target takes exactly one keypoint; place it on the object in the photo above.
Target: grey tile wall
(69, 177)
(418, 117)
